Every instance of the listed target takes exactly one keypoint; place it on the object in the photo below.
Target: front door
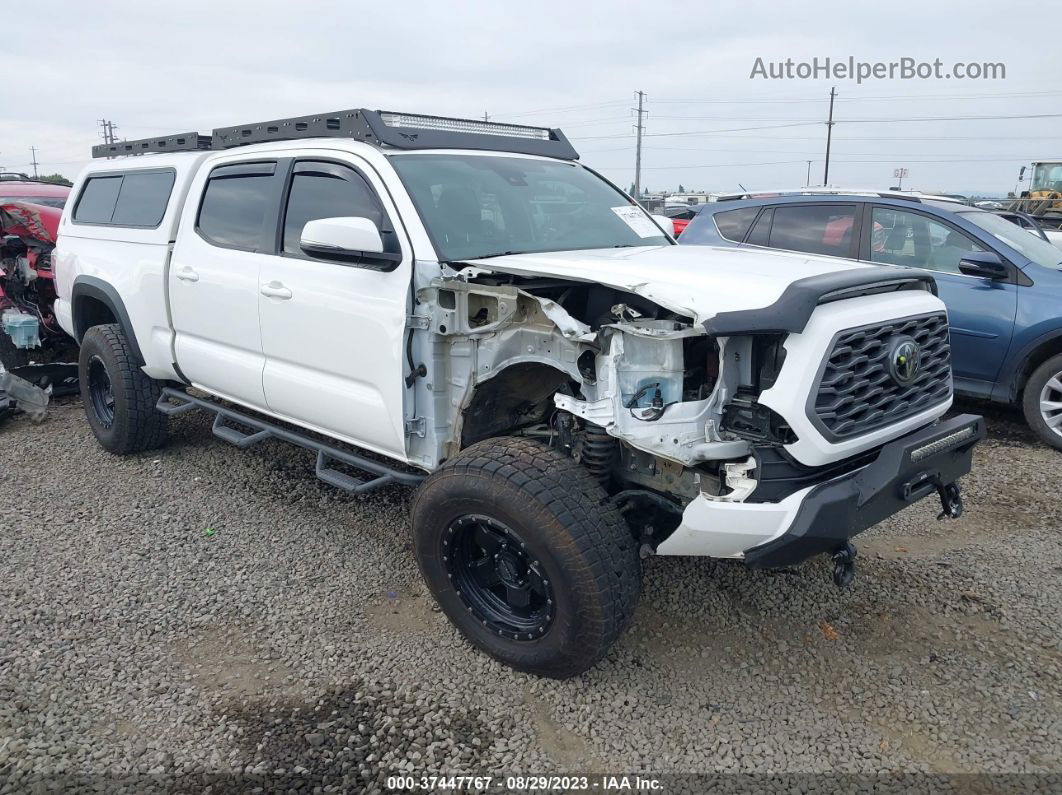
(980, 311)
(332, 332)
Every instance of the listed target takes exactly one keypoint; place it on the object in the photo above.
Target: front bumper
(905, 471)
(822, 517)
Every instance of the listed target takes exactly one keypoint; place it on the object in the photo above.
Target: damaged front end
(700, 427)
(32, 345)
(660, 411)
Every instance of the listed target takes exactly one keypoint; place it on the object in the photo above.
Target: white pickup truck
(462, 307)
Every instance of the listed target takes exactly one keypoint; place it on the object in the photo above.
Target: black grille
(857, 391)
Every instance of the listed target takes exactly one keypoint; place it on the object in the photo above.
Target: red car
(29, 222)
(19, 187)
(680, 217)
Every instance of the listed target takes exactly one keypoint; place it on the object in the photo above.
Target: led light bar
(951, 440)
(463, 125)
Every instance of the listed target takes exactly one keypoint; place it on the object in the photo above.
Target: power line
(954, 118)
(1005, 95)
(698, 132)
(874, 97)
(563, 108)
(790, 162)
(728, 165)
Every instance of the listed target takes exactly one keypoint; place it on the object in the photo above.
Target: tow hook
(844, 565)
(950, 501)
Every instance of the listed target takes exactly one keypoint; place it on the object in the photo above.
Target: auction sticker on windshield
(637, 220)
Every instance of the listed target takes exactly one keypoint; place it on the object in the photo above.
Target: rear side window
(733, 224)
(135, 198)
(236, 203)
(815, 229)
(143, 198)
(98, 197)
(326, 190)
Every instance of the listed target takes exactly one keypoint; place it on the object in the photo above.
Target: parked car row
(1002, 284)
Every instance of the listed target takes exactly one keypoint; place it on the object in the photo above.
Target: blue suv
(1002, 285)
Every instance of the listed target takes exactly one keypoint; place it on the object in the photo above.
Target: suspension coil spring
(598, 452)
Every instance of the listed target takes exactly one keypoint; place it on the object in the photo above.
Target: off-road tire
(1031, 401)
(580, 542)
(136, 425)
(10, 356)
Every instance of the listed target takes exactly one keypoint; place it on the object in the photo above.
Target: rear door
(980, 311)
(333, 332)
(228, 228)
(825, 228)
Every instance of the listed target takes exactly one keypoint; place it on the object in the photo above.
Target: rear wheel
(119, 398)
(525, 557)
(1042, 403)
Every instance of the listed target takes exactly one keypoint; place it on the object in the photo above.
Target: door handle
(275, 290)
(186, 274)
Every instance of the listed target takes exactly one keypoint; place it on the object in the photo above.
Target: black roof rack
(379, 127)
(181, 142)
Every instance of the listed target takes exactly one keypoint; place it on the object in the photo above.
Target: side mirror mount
(667, 224)
(986, 264)
(349, 239)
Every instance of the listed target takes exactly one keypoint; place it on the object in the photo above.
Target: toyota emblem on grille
(905, 360)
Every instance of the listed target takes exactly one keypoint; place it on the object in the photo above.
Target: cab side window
(814, 228)
(328, 190)
(900, 237)
(238, 202)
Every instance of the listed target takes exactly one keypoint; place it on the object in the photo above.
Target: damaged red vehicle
(29, 333)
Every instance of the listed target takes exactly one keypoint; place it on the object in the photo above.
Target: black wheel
(119, 399)
(523, 554)
(1042, 402)
(10, 356)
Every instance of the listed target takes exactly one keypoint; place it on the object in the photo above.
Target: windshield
(478, 206)
(1048, 176)
(1022, 240)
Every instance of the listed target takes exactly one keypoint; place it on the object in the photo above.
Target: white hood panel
(696, 281)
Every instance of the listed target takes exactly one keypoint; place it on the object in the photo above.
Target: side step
(173, 402)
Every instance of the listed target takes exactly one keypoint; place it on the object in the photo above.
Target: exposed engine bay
(657, 409)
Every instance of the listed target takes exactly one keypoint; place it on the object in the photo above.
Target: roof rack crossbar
(382, 128)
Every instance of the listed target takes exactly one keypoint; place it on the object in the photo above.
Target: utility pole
(33, 151)
(640, 129)
(807, 181)
(108, 131)
(486, 117)
(829, 136)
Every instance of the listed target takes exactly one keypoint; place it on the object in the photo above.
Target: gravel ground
(205, 617)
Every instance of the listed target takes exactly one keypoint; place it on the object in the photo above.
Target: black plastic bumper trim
(905, 471)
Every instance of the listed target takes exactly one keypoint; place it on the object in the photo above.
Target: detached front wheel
(119, 398)
(520, 550)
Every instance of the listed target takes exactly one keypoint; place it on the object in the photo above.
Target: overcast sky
(157, 68)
